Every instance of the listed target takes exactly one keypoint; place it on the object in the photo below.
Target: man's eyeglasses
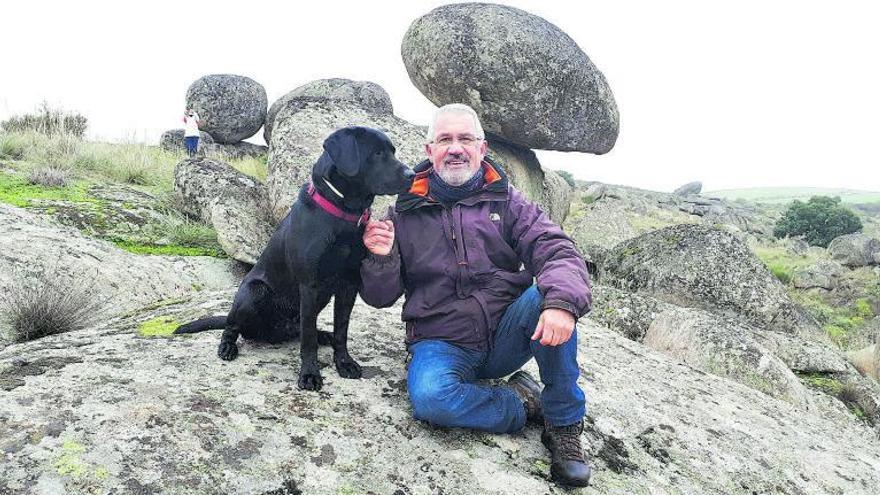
(465, 140)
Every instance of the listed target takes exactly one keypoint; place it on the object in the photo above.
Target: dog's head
(360, 162)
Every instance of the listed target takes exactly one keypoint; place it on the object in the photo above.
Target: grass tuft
(49, 176)
(41, 304)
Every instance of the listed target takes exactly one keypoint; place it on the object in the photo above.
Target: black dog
(314, 254)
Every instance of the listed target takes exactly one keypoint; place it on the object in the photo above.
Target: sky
(733, 94)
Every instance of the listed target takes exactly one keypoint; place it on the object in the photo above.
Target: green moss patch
(16, 191)
(822, 382)
(158, 327)
(137, 248)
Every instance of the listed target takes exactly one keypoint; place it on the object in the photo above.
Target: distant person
(192, 122)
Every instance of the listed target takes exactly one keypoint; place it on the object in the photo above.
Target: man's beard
(459, 176)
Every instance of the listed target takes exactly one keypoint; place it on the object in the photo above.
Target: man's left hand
(555, 327)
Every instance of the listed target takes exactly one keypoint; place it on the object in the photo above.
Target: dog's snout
(408, 174)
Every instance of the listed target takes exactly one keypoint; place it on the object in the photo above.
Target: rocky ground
(122, 407)
(116, 409)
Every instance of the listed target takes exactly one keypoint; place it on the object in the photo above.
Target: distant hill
(788, 194)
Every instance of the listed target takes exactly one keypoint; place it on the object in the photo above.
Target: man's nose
(455, 148)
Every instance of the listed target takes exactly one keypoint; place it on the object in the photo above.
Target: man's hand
(555, 327)
(379, 237)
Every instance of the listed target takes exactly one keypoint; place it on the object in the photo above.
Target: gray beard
(456, 177)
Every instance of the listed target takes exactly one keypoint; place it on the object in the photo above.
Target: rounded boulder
(365, 94)
(529, 81)
(231, 107)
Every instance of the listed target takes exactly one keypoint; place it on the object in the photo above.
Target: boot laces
(570, 441)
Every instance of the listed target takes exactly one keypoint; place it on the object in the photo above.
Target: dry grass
(39, 304)
(49, 176)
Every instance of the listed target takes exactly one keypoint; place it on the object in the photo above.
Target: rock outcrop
(696, 338)
(364, 94)
(32, 244)
(854, 250)
(173, 141)
(237, 151)
(109, 409)
(823, 275)
(706, 268)
(231, 107)
(689, 189)
(234, 203)
(529, 81)
(298, 138)
(543, 186)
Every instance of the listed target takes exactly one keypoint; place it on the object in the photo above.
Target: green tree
(567, 176)
(819, 220)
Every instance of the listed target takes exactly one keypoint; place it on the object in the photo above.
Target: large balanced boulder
(854, 250)
(706, 268)
(231, 107)
(365, 94)
(298, 138)
(545, 187)
(234, 203)
(529, 81)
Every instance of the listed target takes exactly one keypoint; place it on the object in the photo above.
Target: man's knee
(433, 399)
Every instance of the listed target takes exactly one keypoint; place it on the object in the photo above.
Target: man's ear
(345, 151)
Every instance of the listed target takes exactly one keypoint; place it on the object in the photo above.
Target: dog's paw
(310, 381)
(227, 351)
(348, 367)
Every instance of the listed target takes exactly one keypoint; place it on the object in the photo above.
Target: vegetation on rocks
(48, 166)
(819, 220)
(40, 304)
(162, 326)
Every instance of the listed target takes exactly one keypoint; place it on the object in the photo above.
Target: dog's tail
(202, 324)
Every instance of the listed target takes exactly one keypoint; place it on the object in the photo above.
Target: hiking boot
(529, 392)
(568, 464)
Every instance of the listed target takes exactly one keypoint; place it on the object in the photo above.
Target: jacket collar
(419, 195)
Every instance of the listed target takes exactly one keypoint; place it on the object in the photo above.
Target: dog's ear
(344, 148)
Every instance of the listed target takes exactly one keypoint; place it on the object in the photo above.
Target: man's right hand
(379, 237)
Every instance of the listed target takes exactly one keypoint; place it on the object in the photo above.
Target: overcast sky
(734, 94)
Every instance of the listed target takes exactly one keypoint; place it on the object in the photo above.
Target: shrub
(12, 146)
(49, 176)
(567, 176)
(43, 304)
(819, 220)
(49, 121)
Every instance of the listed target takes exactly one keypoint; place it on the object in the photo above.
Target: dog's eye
(378, 152)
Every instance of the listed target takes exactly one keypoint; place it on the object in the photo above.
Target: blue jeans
(192, 144)
(441, 376)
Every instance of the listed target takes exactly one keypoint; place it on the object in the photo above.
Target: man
(191, 134)
(455, 245)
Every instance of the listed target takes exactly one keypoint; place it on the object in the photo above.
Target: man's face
(456, 152)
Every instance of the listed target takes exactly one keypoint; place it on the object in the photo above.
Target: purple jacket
(461, 267)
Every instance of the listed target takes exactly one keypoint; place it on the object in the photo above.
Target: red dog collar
(334, 210)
